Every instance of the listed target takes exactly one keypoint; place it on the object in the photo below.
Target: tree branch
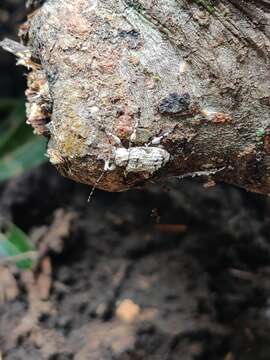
(133, 91)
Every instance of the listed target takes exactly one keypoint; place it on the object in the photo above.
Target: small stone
(128, 311)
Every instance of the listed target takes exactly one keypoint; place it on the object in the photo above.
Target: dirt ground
(113, 282)
(172, 272)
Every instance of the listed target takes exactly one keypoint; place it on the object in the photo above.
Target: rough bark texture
(133, 91)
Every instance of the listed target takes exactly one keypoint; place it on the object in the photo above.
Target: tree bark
(134, 91)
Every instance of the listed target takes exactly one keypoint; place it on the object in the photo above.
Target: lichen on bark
(118, 73)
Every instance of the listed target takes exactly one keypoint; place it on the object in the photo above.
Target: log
(131, 92)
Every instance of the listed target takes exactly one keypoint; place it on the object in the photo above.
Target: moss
(151, 75)
(135, 5)
(206, 4)
(73, 145)
(157, 78)
(260, 132)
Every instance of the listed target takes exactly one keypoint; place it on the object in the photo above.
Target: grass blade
(19, 149)
(23, 158)
(15, 244)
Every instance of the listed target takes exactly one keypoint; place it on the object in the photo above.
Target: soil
(114, 282)
(174, 271)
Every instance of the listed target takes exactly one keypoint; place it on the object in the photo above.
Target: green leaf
(7, 104)
(15, 243)
(11, 124)
(19, 149)
(23, 158)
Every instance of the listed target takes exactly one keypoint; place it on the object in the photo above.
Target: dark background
(12, 81)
